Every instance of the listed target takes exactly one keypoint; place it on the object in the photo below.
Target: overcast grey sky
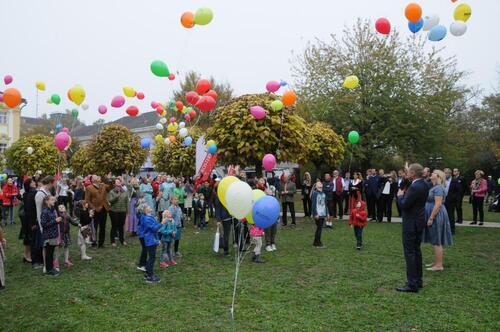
(107, 44)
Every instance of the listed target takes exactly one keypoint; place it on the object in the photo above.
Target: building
(10, 124)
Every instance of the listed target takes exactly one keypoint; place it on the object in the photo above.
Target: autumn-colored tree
(325, 146)
(45, 156)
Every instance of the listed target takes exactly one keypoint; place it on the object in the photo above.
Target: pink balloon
(187, 117)
(8, 79)
(61, 140)
(65, 130)
(102, 109)
(171, 120)
(273, 86)
(1, 97)
(154, 104)
(118, 101)
(269, 161)
(258, 112)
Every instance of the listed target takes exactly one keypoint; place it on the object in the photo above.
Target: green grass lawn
(300, 288)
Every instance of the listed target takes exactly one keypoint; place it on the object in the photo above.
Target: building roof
(30, 121)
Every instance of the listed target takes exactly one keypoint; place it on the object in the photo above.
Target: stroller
(495, 205)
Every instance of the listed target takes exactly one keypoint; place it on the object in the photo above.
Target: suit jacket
(97, 197)
(454, 192)
(413, 202)
(372, 185)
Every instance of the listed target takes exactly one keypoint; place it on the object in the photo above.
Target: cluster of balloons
(243, 203)
(202, 16)
(203, 98)
(289, 98)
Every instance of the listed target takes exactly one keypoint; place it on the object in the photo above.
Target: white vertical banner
(200, 153)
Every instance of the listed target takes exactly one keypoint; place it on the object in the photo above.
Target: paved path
(465, 224)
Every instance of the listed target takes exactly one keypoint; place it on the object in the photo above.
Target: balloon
(55, 99)
(351, 82)
(145, 143)
(158, 139)
(58, 127)
(118, 101)
(188, 141)
(140, 95)
(187, 117)
(132, 110)
(172, 139)
(172, 119)
(166, 140)
(437, 33)
(383, 26)
(12, 97)
(171, 77)
(212, 94)
(74, 113)
(40, 85)
(289, 98)
(85, 107)
(266, 212)
(159, 126)
(413, 12)
(187, 20)
(203, 16)
(353, 137)
(65, 130)
(202, 86)
(283, 83)
(239, 199)
(172, 127)
(102, 109)
(192, 97)
(159, 109)
(183, 132)
(268, 162)
(458, 28)
(8, 79)
(462, 12)
(430, 21)
(163, 120)
(1, 98)
(159, 68)
(212, 149)
(129, 91)
(277, 105)
(273, 86)
(179, 105)
(61, 140)
(209, 142)
(29, 150)
(192, 114)
(77, 94)
(205, 104)
(256, 195)
(154, 104)
(416, 27)
(258, 112)
(182, 125)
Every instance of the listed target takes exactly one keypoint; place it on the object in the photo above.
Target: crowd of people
(157, 209)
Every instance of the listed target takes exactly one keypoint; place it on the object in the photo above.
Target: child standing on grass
(256, 233)
(318, 212)
(50, 225)
(177, 215)
(64, 236)
(140, 235)
(272, 230)
(168, 232)
(85, 227)
(357, 219)
(150, 229)
(201, 207)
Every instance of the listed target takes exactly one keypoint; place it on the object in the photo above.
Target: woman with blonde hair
(478, 190)
(438, 231)
(306, 193)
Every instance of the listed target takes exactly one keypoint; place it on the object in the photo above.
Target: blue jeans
(6, 211)
(151, 250)
(166, 251)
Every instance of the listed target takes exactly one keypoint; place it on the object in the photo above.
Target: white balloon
(166, 141)
(159, 126)
(239, 199)
(183, 132)
(29, 150)
(85, 107)
(430, 21)
(163, 120)
(182, 125)
(458, 28)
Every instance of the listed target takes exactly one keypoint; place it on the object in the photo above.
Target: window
(3, 117)
(3, 147)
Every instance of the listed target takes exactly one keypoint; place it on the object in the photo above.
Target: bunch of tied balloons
(243, 203)
(201, 16)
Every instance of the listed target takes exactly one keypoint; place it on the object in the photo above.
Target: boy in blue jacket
(150, 229)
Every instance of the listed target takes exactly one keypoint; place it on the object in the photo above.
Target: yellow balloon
(129, 91)
(40, 85)
(77, 94)
(164, 113)
(462, 12)
(209, 143)
(351, 82)
(49, 100)
(222, 188)
(172, 126)
(158, 138)
(256, 195)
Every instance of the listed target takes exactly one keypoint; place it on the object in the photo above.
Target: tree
(243, 140)
(175, 158)
(325, 146)
(402, 104)
(45, 156)
(81, 163)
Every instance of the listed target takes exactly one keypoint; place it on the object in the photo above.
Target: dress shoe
(481, 224)
(407, 289)
(473, 223)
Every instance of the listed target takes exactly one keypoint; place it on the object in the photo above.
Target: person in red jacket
(10, 193)
(357, 219)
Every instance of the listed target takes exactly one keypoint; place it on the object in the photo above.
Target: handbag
(216, 240)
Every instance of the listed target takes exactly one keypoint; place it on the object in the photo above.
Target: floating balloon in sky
(77, 94)
(203, 16)
(413, 12)
(132, 110)
(118, 101)
(159, 68)
(129, 91)
(462, 12)
(55, 99)
(273, 86)
(430, 21)
(102, 109)
(85, 107)
(40, 85)
(289, 98)
(458, 28)
(171, 77)
(12, 97)
(140, 95)
(187, 20)
(8, 79)
(437, 33)
(416, 27)
(383, 26)
(258, 112)
(205, 104)
(203, 86)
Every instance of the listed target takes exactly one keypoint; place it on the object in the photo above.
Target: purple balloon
(269, 161)
(258, 112)
(118, 101)
(102, 109)
(61, 140)
(273, 86)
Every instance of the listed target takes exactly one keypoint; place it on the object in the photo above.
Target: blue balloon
(283, 83)
(266, 211)
(58, 126)
(188, 141)
(437, 33)
(212, 149)
(416, 27)
(145, 143)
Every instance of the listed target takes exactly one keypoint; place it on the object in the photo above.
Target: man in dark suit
(462, 187)
(413, 207)
(371, 193)
(403, 185)
(452, 191)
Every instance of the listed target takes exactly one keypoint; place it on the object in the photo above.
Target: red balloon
(132, 110)
(192, 97)
(383, 26)
(171, 76)
(192, 114)
(140, 95)
(205, 104)
(203, 86)
(179, 105)
(212, 94)
(159, 109)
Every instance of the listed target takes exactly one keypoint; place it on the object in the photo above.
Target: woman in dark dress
(27, 214)
(355, 190)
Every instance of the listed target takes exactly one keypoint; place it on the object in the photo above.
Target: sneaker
(37, 266)
(274, 247)
(113, 245)
(173, 262)
(141, 268)
(153, 280)
(269, 248)
(178, 254)
(473, 223)
(358, 247)
(164, 264)
(53, 273)
(86, 258)
(68, 263)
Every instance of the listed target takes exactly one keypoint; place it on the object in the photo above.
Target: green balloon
(353, 137)
(277, 105)
(74, 113)
(56, 99)
(159, 68)
(203, 16)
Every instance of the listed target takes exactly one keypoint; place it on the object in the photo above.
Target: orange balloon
(413, 12)
(172, 139)
(12, 97)
(187, 20)
(289, 98)
(69, 95)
